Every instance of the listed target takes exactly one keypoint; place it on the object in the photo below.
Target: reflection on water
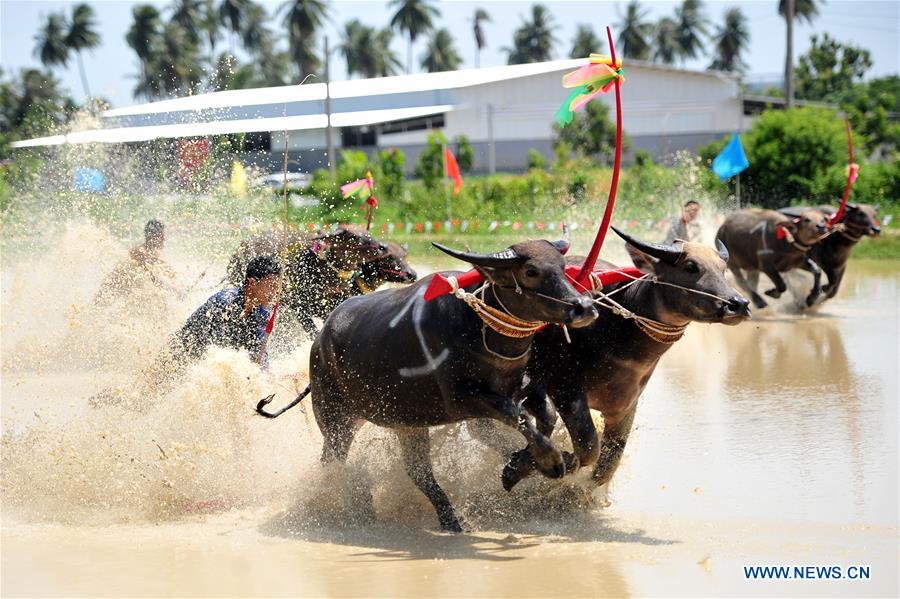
(784, 417)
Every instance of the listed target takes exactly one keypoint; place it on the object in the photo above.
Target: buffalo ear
(562, 246)
(644, 262)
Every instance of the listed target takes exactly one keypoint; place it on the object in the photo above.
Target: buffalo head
(809, 228)
(393, 268)
(529, 279)
(350, 246)
(862, 219)
(684, 268)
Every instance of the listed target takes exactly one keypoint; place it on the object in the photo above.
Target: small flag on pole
(451, 169)
(731, 160)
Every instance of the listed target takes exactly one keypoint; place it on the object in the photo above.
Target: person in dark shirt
(234, 318)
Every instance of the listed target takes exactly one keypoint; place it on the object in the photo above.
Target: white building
(504, 111)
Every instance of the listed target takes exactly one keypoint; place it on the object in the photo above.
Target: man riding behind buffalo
(685, 227)
(233, 317)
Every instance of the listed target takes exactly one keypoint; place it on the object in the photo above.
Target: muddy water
(772, 443)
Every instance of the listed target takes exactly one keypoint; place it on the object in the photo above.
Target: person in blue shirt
(234, 317)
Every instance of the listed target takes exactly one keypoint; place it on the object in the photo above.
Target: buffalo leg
(834, 281)
(615, 436)
(811, 267)
(780, 285)
(415, 447)
(758, 301)
(548, 458)
(572, 407)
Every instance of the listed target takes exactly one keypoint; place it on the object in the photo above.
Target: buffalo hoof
(773, 293)
(510, 477)
(811, 301)
(571, 462)
(452, 526)
(758, 302)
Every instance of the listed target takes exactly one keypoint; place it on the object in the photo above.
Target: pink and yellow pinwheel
(589, 81)
(361, 188)
(853, 172)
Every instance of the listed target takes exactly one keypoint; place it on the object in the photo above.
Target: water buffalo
(607, 364)
(832, 253)
(770, 242)
(395, 360)
(319, 268)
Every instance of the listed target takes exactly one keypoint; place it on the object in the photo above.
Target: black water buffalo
(395, 360)
(770, 242)
(320, 269)
(832, 253)
(607, 364)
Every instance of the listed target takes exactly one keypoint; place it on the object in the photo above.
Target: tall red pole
(591, 260)
(840, 213)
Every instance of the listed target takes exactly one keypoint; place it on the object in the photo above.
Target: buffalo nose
(739, 305)
(583, 311)
(411, 275)
(820, 228)
(876, 230)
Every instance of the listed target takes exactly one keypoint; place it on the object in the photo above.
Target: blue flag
(731, 160)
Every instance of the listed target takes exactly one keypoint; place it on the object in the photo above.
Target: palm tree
(633, 32)
(533, 41)
(666, 46)
(231, 13)
(142, 36)
(82, 35)
(791, 10)
(187, 13)
(51, 45)
(209, 25)
(480, 17)
(255, 34)
(692, 28)
(440, 55)
(585, 42)
(367, 51)
(414, 17)
(302, 19)
(730, 40)
(176, 62)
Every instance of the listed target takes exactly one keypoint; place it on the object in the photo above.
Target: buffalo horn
(666, 253)
(723, 251)
(496, 260)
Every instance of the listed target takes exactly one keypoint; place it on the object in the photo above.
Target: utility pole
(329, 142)
(789, 58)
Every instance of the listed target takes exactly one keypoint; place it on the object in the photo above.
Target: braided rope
(498, 320)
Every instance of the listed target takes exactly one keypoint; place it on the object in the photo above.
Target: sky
(111, 68)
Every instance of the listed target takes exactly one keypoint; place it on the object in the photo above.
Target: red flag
(451, 169)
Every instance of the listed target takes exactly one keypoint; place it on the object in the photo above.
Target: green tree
(188, 14)
(666, 44)
(440, 55)
(415, 17)
(303, 19)
(210, 23)
(142, 37)
(868, 106)
(789, 151)
(465, 153)
(592, 133)
(367, 51)
(82, 35)
(830, 67)
(801, 10)
(481, 16)
(176, 62)
(255, 33)
(232, 14)
(585, 42)
(534, 40)
(729, 41)
(430, 167)
(50, 41)
(391, 179)
(634, 31)
(692, 28)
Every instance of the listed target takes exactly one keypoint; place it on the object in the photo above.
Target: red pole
(591, 260)
(840, 213)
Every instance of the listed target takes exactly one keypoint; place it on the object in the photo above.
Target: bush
(465, 154)
(431, 161)
(789, 152)
(536, 160)
(390, 180)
